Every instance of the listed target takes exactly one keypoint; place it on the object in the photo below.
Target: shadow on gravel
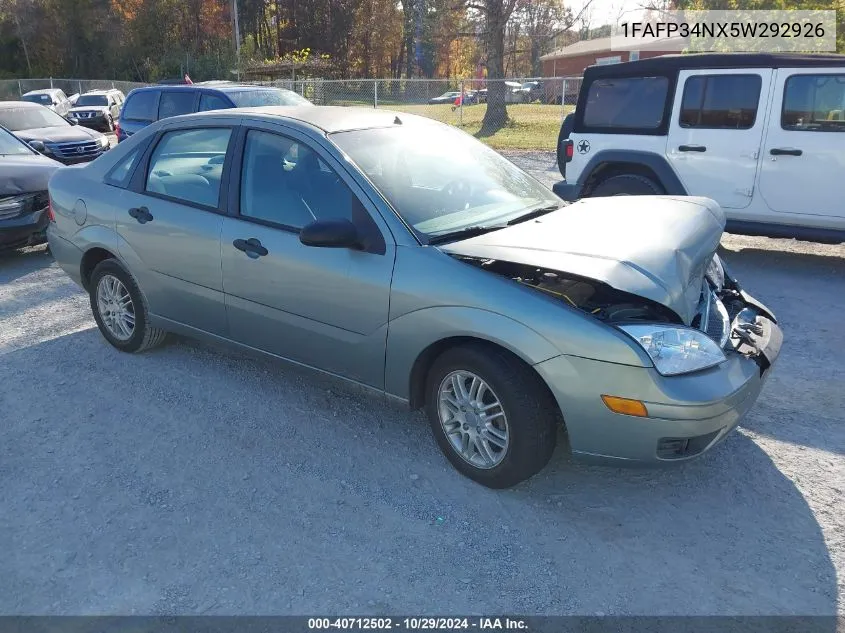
(192, 480)
(17, 263)
(804, 399)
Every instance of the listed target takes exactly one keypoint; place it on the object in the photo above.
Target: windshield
(15, 119)
(92, 100)
(266, 97)
(42, 99)
(12, 145)
(441, 180)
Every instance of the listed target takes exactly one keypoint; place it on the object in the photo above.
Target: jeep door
(803, 159)
(716, 132)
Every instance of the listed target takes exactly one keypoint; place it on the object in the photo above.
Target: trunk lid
(657, 247)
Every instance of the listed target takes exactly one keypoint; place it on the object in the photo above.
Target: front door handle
(785, 151)
(142, 214)
(692, 148)
(251, 247)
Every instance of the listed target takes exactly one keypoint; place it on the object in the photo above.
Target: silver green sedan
(403, 255)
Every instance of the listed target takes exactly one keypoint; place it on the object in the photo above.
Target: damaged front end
(726, 314)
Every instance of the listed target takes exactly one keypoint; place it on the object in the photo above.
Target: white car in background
(762, 135)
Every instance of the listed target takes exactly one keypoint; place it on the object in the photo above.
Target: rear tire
(111, 289)
(627, 185)
(526, 416)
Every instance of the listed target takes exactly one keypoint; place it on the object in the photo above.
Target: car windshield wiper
(536, 213)
(466, 232)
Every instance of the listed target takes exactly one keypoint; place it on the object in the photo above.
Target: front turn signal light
(625, 406)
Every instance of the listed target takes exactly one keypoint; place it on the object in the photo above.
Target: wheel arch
(608, 163)
(90, 259)
(427, 357)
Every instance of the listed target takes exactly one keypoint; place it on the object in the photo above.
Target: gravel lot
(193, 480)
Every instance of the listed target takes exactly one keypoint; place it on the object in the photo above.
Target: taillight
(569, 150)
(50, 213)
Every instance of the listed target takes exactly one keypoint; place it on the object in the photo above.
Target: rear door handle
(692, 148)
(252, 247)
(142, 214)
(785, 151)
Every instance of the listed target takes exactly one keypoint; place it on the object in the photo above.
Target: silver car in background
(402, 254)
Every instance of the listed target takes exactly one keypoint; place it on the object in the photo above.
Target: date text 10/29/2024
(417, 624)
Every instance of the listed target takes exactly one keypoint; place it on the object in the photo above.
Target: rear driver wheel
(120, 310)
(627, 185)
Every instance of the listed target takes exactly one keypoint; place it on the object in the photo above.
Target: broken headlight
(715, 273)
(674, 349)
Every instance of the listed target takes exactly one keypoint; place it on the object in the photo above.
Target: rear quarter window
(626, 103)
(141, 106)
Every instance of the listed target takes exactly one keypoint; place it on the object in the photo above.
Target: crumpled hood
(58, 134)
(657, 247)
(25, 174)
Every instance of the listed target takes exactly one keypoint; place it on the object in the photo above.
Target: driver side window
(284, 182)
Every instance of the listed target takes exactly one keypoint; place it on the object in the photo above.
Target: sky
(608, 11)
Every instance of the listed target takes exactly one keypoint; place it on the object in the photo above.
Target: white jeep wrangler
(763, 135)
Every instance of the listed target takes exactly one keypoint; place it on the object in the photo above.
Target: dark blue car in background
(149, 104)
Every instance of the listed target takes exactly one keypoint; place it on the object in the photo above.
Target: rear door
(325, 307)
(171, 220)
(804, 155)
(716, 132)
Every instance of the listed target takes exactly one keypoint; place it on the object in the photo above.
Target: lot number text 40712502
(417, 623)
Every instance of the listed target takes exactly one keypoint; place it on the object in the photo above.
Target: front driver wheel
(490, 415)
(120, 310)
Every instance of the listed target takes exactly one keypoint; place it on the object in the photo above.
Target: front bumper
(98, 122)
(24, 230)
(567, 191)
(687, 415)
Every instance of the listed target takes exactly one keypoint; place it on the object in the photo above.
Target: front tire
(120, 309)
(491, 415)
(627, 185)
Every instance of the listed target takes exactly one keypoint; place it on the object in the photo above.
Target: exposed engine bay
(594, 297)
(728, 315)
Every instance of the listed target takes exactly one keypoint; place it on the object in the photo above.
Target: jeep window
(626, 103)
(814, 103)
(722, 102)
(141, 106)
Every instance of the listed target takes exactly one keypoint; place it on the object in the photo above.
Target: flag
(188, 79)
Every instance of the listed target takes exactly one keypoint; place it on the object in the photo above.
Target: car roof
(329, 119)
(209, 88)
(99, 92)
(43, 91)
(674, 63)
(8, 105)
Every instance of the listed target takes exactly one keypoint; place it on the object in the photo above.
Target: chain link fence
(534, 109)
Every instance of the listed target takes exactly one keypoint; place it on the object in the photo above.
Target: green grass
(531, 126)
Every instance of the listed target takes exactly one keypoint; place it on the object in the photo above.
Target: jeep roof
(673, 63)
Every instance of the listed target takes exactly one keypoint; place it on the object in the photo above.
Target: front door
(804, 155)
(716, 131)
(170, 224)
(324, 307)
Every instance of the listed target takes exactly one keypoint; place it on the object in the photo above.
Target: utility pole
(237, 37)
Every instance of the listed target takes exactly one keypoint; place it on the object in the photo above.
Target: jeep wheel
(627, 185)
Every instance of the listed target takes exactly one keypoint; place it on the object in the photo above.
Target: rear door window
(814, 103)
(626, 103)
(176, 103)
(187, 165)
(721, 102)
(141, 106)
(210, 101)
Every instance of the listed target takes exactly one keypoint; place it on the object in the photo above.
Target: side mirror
(330, 234)
(38, 146)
